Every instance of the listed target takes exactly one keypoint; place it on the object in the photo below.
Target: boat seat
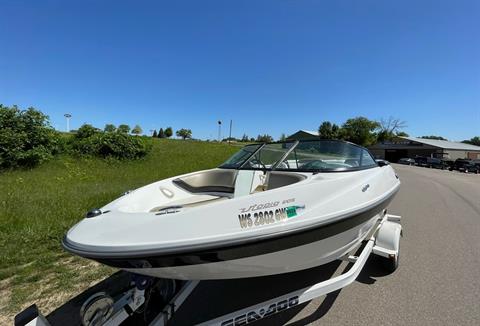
(218, 180)
(277, 179)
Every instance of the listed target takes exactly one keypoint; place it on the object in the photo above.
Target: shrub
(89, 141)
(86, 131)
(121, 146)
(26, 138)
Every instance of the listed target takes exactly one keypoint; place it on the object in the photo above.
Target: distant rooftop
(304, 134)
(444, 144)
(313, 133)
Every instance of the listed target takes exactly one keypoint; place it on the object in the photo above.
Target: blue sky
(271, 66)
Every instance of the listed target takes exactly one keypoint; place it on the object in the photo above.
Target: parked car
(406, 161)
(464, 165)
(421, 161)
(447, 163)
(477, 163)
(438, 163)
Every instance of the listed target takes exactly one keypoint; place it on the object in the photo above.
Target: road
(437, 283)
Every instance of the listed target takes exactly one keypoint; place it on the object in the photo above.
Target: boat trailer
(102, 309)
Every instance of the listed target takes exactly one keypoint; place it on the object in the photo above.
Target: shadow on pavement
(215, 298)
(373, 269)
(69, 312)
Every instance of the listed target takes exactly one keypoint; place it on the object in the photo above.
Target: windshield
(237, 159)
(302, 156)
(268, 156)
(327, 155)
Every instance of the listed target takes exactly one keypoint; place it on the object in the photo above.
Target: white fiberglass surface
(320, 198)
(284, 261)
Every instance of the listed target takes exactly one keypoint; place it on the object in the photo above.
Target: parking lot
(438, 279)
(437, 282)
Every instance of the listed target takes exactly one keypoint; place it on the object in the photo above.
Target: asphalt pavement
(437, 283)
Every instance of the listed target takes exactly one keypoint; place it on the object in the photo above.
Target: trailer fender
(387, 240)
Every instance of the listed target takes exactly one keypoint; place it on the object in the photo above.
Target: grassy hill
(38, 206)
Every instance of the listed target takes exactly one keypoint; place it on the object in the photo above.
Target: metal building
(410, 147)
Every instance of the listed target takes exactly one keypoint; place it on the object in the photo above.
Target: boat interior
(220, 184)
(263, 167)
(235, 183)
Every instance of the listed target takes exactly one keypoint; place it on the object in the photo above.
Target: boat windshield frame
(275, 166)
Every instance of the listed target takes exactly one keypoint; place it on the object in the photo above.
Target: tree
(265, 138)
(473, 141)
(390, 128)
(184, 133)
(155, 135)
(109, 128)
(252, 139)
(85, 131)
(123, 129)
(244, 138)
(137, 130)
(168, 132)
(360, 130)
(327, 130)
(434, 137)
(283, 137)
(384, 135)
(161, 133)
(402, 134)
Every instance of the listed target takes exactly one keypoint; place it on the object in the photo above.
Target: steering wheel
(283, 165)
(254, 162)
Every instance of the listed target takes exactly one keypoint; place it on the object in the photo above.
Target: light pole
(230, 134)
(68, 116)
(219, 130)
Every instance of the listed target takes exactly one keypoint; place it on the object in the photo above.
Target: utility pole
(219, 130)
(230, 133)
(68, 116)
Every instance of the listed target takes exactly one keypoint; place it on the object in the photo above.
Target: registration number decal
(266, 217)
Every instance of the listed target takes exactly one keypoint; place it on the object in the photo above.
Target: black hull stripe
(260, 247)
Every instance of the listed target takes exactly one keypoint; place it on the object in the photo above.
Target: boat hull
(289, 260)
(332, 214)
(292, 259)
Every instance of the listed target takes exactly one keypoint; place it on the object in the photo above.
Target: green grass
(38, 206)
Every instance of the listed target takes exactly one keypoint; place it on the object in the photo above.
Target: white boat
(269, 209)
